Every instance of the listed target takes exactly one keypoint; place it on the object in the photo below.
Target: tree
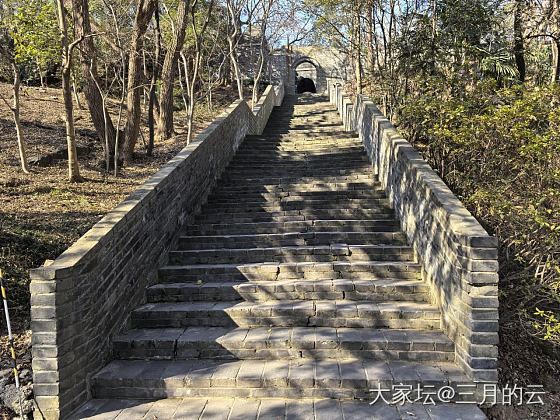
(235, 8)
(165, 120)
(155, 76)
(88, 57)
(144, 12)
(192, 79)
(8, 45)
(518, 47)
(15, 109)
(67, 48)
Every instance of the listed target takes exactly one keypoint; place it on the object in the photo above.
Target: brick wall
(459, 258)
(85, 297)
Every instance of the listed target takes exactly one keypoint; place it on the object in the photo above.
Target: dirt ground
(41, 214)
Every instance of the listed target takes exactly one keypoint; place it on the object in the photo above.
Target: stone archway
(324, 65)
(308, 76)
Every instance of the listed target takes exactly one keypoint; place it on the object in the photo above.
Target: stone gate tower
(318, 63)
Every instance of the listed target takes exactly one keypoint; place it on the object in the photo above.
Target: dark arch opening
(304, 84)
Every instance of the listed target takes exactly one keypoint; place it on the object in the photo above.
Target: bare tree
(192, 79)
(73, 167)
(155, 75)
(144, 12)
(99, 114)
(165, 120)
(235, 8)
(266, 6)
(15, 107)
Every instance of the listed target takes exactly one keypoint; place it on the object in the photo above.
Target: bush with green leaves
(499, 150)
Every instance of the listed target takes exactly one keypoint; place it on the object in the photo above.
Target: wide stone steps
(298, 214)
(379, 290)
(375, 225)
(292, 216)
(294, 282)
(296, 187)
(271, 271)
(302, 166)
(378, 204)
(341, 155)
(288, 313)
(296, 378)
(247, 153)
(267, 240)
(280, 173)
(269, 408)
(323, 253)
(278, 197)
(264, 343)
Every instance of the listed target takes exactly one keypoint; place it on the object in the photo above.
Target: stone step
(296, 214)
(322, 253)
(309, 186)
(293, 216)
(271, 271)
(324, 146)
(375, 225)
(338, 152)
(290, 196)
(268, 240)
(298, 378)
(352, 165)
(324, 149)
(287, 313)
(267, 409)
(303, 173)
(314, 180)
(254, 291)
(357, 155)
(380, 204)
(264, 343)
(308, 138)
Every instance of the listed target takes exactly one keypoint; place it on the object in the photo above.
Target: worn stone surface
(269, 409)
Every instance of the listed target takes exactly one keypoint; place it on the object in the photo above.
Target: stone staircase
(294, 282)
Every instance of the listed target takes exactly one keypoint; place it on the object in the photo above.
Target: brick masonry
(458, 257)
(86, 296)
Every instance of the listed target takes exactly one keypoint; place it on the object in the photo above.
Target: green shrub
(499, 150)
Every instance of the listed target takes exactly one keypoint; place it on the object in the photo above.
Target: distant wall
(458, 257)
(84, 298)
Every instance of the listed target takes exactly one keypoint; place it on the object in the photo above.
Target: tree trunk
(15, 113)
(234, 16)
(165, 120)
(73, 168)
(99, 114)
(262, 51)
(358, 39)
(370, 37)
(145, 9)
(155, 75)
(555, 60)
(518, 47)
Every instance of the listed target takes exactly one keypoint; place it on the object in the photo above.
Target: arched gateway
(317, 64)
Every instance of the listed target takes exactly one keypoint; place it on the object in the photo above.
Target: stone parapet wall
(458, 257)
(84, 298)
